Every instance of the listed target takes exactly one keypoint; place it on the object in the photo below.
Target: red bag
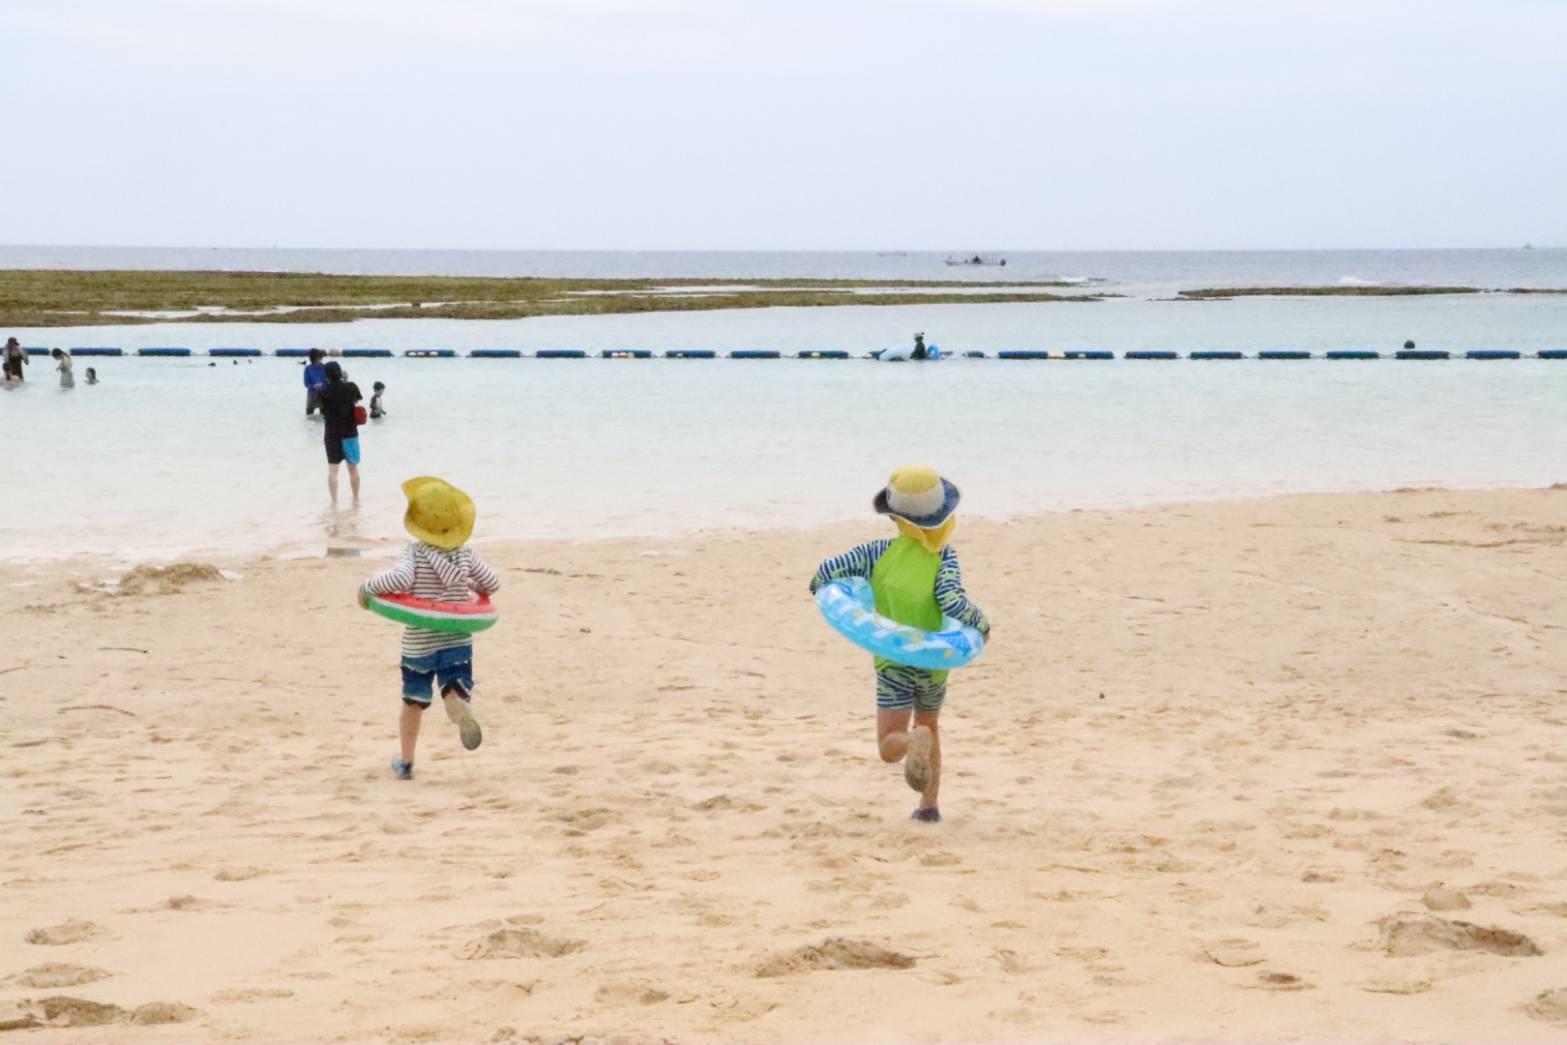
(360, 417)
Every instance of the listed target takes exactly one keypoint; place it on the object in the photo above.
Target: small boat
(977, 259)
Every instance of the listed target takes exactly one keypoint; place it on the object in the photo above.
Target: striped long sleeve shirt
(860, 560)
(444, 575)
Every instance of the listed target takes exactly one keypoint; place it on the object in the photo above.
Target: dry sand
(1280, 770)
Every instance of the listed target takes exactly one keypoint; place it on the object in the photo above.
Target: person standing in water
(340, 411)
(377, 409)
(64, 364)
(15, 359)
(315, 382)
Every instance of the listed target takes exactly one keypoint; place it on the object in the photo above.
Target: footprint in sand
(519, 943)
(1550, 1006)
(1396, 986)
(57, 974)
(63, 1011)
(629, 994)
(238, 874)
(835, 952)
(1233, 953)
(241, 997)
(1445, 900)
(1279, 981)
(1406, 934)
(1013, 963)
(71, 931)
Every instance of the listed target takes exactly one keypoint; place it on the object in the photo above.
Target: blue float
(429, 353)
(96, 351)
(626, 353)
(1352, 353)
(755, 353)
(823, 353)
(292, 353)
(850, 607)
(1551, 353)
(1283, 353)
(1215, 355)
(1155, 354)
(495, 353)
(691, 353)
(1023, 353)
(30, 350)
(560, 353)
(1091, 353)
(974, 353)
(174, 352)
(1423, 353)
(1492, 353)
(223, 353)
(366, 353)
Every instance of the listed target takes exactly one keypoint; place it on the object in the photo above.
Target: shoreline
(1231, 767)
(372, 549)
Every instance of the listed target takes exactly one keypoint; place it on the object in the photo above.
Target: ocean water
(176, 457)
(1138, 273)
(173, 457)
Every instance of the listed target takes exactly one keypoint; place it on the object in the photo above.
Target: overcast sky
(784, 124)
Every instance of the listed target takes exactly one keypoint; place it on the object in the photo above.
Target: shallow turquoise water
(172, 457)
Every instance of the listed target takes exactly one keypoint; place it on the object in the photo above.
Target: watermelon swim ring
(850, 607)
(458, 618)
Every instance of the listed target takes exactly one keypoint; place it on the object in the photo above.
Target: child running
(435, 566)
(917, 581)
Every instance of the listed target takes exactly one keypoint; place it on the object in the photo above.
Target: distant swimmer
(92, 376)
(1409, 346)
(919, 347)
(65, 365)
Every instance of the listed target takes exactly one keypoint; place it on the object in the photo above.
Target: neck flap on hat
(932, 539)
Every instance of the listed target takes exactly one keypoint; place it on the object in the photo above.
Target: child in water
(376, 409)
(92, 376)
(64, 364)
(917, 581)
(438, 566)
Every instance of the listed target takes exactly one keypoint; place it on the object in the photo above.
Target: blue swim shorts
(452, 668)
(340, 450)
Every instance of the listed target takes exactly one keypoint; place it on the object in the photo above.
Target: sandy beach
(1277, 770)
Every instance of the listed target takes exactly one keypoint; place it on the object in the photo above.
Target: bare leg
(408, 730)
(892, 738)
(353, 480)
(895, 740)
(331, 481)
(925, 721)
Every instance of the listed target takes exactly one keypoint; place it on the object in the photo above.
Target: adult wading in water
(15, 359)
(339, 408)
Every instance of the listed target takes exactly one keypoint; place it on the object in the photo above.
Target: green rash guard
(904, 580)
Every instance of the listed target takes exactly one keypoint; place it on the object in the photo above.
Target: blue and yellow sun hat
(918, 496)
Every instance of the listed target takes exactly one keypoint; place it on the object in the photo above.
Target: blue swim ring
(850, 607)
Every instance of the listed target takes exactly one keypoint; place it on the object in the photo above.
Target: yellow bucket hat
(438, 512)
